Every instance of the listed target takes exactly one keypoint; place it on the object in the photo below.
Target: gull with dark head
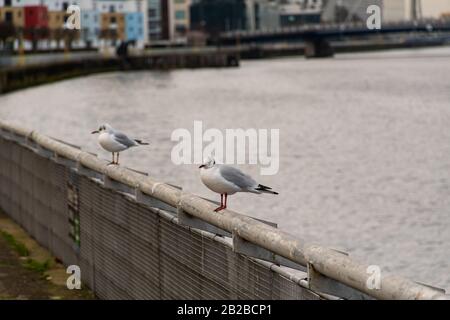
(227, 180)
(115, 141)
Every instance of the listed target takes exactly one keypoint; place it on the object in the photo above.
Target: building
(179, 19)
(262, 14)
(347, 10)
(134, 26)
(297, 13)
(112, 27)
(154, 14)
(13, 15)
(396, 10)
(103, 22)
(90, 31)
(227, 15)
(392, 10)
(114, 16)
(215, 16)
(36, 17)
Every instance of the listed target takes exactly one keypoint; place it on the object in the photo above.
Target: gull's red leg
(112, 162)
(225, 205)
(221, 204)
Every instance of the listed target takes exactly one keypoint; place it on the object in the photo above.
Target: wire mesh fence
(125, 249)
(136, 238)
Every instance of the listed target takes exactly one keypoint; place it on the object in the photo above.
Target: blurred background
(364, 139)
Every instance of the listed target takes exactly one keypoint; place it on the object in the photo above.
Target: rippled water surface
(365, 143)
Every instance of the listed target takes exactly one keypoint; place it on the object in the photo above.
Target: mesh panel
(126, 250)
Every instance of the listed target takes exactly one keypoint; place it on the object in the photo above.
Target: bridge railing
(110, 217)
(324, 26)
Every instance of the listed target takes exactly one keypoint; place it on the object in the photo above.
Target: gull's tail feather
(142, 143)
(265, 189)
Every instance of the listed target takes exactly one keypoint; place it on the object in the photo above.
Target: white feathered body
(107, 141)
(212, 178)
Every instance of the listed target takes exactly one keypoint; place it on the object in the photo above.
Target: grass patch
(18, 246)
(37, 266)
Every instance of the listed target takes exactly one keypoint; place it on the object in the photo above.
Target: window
(8, 17)
(65, 6)
(179, 1)
(7, 3)
(180, 15)
(180, 29)
(112, 9)
(112, 20)
(153, 25)
(152, 13)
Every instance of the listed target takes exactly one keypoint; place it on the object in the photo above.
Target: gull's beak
(202, 166)
(94, 132)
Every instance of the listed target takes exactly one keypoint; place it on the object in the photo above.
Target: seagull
(115, 141)
(227, 180)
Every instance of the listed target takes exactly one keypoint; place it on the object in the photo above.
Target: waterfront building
(214, 16)
(122, 21)
(90, 31)
(154, 14)
(228, 15)
(13, 15)
(179, 19)
(262, 14)
(134, 26)
(348, 10)
(297, 13)
(396, 10)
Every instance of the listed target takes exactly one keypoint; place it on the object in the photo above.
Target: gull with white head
(227, 180)
(115, 141)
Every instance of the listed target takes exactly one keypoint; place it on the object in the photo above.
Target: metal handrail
(326, 261)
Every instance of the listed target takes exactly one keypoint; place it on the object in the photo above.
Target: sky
(434, 8)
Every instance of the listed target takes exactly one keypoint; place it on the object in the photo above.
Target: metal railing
(329, 273)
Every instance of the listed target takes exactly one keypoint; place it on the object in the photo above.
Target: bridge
(317, 36)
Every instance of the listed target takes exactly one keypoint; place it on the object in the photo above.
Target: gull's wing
(123, 139)
(237, 177)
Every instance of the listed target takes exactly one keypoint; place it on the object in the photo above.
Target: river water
(364, 143)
